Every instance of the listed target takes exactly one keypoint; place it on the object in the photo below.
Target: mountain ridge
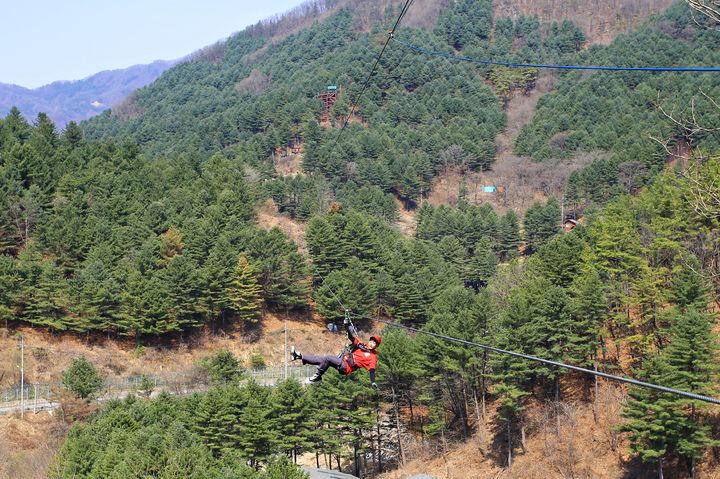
(77, 100)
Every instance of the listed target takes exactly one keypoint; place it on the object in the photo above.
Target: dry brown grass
(600, 20)
(289, 164)
(117, 358)
(580, 449)
(28, 445)
(269, 217)
(520, 180)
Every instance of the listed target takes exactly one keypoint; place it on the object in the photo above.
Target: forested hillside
(637, 116)
(143, 223)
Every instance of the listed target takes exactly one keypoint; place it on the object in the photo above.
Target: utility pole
(22, 376)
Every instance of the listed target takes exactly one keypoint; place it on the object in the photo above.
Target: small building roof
(326, 474)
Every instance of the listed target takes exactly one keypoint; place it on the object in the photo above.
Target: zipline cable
(391, 35)
(559, 67)
(635, 382)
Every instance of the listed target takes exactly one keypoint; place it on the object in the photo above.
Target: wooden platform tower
(328, 97)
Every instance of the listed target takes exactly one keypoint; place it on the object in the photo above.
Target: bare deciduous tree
(709, 8)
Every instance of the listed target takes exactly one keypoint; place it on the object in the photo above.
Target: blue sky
(42, 41)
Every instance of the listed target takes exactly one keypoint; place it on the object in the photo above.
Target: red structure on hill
(328, 97)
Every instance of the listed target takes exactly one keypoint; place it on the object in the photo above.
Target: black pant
(322, 362)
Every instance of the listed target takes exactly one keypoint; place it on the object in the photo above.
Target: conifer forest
(142, 225)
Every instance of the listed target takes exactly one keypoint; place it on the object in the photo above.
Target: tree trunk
(509, 444)
(595, 399)
(397, 426)
(464, 407)
(660, 468)
(480, 423)
(356, 463)
(412, 412)
(379, 445)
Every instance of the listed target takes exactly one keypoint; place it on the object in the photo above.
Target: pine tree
(46, 296)
(352, 288)
(82, 378)
(508, 236)
(243, 294)
(481, 266)
(9, 288)
(255, 434)
(361, 241)
(280, 467)
(589, 309)
(453, 252)
(216, 275)
(216, 416)
(662, 423)
(327, 250)
(222, 366)
(292, 418)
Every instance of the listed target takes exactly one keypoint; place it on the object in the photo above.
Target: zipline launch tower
(328, 97)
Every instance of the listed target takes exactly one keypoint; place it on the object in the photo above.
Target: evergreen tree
(352, 287)
(222, 366)
(243, 295)
(292, 418)
(481, 266)
(216, 416)
(661, 423)
(327, 250)
(508, 236)
(82, 378)
(45, 298)
(541, 223)
(280, 467)
(255, 435)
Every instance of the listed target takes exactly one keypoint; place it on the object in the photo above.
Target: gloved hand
(346, 321)
(374, 385)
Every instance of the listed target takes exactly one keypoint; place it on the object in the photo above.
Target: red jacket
(363, 356)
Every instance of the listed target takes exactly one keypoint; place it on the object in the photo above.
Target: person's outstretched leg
(322, 363)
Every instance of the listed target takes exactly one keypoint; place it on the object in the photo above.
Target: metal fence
(32, 396)
(45, 396)
(271, 376)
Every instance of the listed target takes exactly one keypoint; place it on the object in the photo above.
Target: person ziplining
(355, 356)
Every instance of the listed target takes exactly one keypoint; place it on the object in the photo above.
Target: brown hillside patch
(289, 164)
(118, 358)
(29, 445)
(254, 83)
(406, 222)
(561, 442)
(600, 20)
(519, 180)
(269, 217)
(424, 13)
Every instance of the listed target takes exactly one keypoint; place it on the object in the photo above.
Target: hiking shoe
(315, 379)
(294, 354)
